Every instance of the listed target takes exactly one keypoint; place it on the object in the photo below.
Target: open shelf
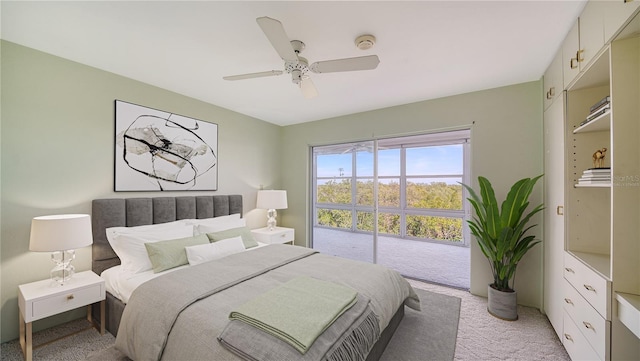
(601, 123)
(601, 263)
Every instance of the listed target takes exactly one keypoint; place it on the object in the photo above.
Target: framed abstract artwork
(160, 151)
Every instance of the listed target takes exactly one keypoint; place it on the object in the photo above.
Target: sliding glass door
(344, 194)
(396, 202)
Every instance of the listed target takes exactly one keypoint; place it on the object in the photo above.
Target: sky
(421, 161)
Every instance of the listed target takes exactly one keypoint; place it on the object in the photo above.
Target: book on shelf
(582, 181)
(598, 170)
(603, 106)
(595, 178)
(596, 114)
(605, 100)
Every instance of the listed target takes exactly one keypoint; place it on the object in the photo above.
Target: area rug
(427, 335)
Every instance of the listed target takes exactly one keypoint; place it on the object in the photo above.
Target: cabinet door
(591, 32)
(570, 47)
(553, 214)
(616, 15)
(553, 80)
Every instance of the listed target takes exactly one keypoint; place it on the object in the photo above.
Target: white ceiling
(427, 49)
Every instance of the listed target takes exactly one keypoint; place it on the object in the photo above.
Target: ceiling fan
(298, 66)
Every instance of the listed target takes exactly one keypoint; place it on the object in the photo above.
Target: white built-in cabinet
(552, 81)
(592, 231)
(553, 214)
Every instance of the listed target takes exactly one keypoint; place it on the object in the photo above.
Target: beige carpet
(484, 337)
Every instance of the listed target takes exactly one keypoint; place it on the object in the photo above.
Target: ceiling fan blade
(253, 75)
(274, 31)
(308, 89)
(349, 64)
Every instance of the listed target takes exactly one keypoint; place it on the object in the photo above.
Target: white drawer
(278, 236)
(66, 301)
(575, 343)
(593, 287)
(595, 329)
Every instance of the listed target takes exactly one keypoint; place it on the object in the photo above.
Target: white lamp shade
(60, 232)
(271, 199)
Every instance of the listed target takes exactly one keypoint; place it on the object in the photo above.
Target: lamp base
(271, 219)
(63, 271)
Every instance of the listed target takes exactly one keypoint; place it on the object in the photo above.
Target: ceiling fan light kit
(298, 67)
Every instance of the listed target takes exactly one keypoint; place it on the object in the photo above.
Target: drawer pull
(568, 337)
(569, 270)
(568, 300)
(589, 288)
(70, 297)
(587, 325)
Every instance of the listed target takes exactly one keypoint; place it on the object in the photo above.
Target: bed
(191, 333)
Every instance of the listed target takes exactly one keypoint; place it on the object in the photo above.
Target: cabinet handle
(568, 300)
(70, 297)
(560, 210)
(573, 63)
(579, 56)
(552, 91)
(568, 337)
(569, 270)
(549, 94)
(587, 325)
(589, 288)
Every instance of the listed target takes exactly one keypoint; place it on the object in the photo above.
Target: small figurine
(598, 158)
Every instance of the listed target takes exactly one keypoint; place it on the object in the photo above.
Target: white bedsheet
(121, 283)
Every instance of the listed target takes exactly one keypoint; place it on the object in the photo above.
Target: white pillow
(208, 252)
(112, 231)
(210, 227)
(129, 245)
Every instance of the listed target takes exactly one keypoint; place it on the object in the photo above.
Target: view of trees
(420, 196)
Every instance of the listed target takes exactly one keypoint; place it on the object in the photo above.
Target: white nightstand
(45, 298)
(279, 235)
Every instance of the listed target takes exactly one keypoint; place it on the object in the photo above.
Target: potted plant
(502, 236)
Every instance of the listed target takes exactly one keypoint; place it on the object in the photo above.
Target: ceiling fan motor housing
(297, 69)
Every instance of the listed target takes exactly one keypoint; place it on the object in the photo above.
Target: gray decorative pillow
(244, 232)
(165, 255)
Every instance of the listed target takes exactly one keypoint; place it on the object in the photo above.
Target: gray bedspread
(180, 315)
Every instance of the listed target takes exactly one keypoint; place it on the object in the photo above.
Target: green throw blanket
(298, 311)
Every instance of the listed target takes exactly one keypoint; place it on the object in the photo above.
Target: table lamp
(61, 235)
(271, 200)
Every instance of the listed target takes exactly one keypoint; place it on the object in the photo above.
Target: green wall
(57, 154)
(506, 145)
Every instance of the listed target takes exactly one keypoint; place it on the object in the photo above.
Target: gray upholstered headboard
(130, 212)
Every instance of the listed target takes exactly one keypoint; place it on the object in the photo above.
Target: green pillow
(244, 232)
(169, 254)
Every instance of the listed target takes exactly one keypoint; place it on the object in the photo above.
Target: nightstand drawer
(279, 235)
(593, 287)
(594, 327)
(66, 301)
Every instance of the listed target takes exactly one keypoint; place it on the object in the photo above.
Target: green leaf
(502, 233)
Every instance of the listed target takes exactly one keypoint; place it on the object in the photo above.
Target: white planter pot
(503, 305)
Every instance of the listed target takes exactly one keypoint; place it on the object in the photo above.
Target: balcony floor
(428, 261)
